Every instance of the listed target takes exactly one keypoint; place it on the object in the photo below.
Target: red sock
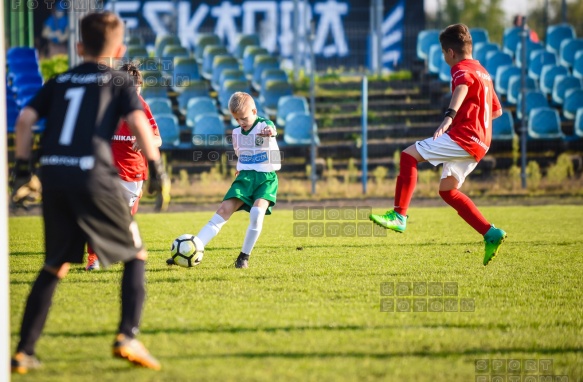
(466, 209)
(406, 182)
(135, 207)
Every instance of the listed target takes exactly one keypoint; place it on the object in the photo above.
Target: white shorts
(131, 191)
(457, 162)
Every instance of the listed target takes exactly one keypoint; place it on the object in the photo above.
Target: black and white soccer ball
(187, 251)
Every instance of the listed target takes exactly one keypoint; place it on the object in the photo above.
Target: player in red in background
(460, 142)
(131, 164)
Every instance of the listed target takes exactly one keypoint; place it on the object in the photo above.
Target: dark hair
(134, 72)
(96, 30)
(456, 37)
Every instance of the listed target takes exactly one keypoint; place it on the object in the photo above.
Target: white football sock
(256, 216)
(211, 229)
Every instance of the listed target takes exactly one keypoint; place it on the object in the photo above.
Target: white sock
(256, 216)
(211, 229)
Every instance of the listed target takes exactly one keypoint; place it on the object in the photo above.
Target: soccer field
(319, 308)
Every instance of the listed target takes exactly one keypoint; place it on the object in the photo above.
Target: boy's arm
(457, 98)
(26, 120)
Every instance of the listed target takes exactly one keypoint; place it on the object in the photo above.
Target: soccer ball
(187, 250)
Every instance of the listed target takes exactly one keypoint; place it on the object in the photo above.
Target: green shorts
(251, 185)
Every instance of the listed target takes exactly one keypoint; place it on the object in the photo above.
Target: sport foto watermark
(421, 296)
(335, 222)
(516, 370)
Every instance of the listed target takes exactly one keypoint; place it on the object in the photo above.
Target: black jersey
(82, 108)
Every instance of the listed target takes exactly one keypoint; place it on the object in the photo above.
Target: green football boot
(493, 239)
(391, 220)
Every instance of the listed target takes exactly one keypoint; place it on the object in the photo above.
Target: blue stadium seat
(249, 59)
(220, 64)
(425, 39)
(199, 105)
(444, 72)
(243, 41)
(534, 99)
(232, 75)
(24, 80)
(435, 58)
(162, 41)
(573, 101)
(502, 78)
(22, 68)
(482, 49)
(11, 117)
(134, 40)
(152, 78)
(169, 130)
(202, 41)
(538, 59)
(578, 65)
(503, 127)
(261, 63)
(184, 72)
(21, 54)
(547, 77)
(272, 74)
(208, 130)
(479, 35)
(579, 123)
(544, 123)
(556, 34)
(193, 90)
(210, 52)
(531, 47)
(290, 104)
(25, 93)
(301, 133)
(495, 60)
(136, 52)
(568, 50)
(514, 86)
(159, 105)
(510, 39)
(561, 84)
(169, 54)
(154, 92)
(270, 95)
(229, 87)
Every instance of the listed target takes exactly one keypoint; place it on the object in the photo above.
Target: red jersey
(472, 126)
(131, 165)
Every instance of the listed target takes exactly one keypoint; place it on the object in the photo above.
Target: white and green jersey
(255, 152)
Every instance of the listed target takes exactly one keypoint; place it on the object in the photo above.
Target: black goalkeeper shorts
(74, 218)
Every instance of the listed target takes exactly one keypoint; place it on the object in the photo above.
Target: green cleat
(391, 220)
(493, 240)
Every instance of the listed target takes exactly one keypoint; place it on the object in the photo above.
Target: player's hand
(136, 147)
(158, 176)
(442, 128)
(266, 132)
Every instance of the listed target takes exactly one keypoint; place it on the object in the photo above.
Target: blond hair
(238, 101)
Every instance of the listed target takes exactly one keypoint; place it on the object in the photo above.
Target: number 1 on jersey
(75, 96)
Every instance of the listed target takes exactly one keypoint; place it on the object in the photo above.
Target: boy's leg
(256, 216)
(212, 228)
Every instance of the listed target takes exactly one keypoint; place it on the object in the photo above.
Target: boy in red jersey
(460, 142)
(131, 163)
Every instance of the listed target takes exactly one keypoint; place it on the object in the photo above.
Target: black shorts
(74, 218)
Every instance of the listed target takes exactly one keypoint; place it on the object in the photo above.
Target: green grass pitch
(310, 308)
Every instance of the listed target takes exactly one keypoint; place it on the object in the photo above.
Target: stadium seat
(561, 84)
(273, 91)
(22, 67)
(482, 49)
(503, 127)
(210, 52)
(134, 40)
(199, 105)
(544, 123)
(425, 39)
(547, 77)
(21, 54)
(538, 59)
(162, 41)
(579, 123)
(568, 50)
(578, 65)
(152, 78)
(496, 59)
(510, 39)
(221, 63)
(169, 54)
(185, 71)
(273, 74)
(435, 58)
(23, 80)
(534, 99)
(556, 34)
(193, 90)
(243, 41)
(154, 91)
(25, 93)
(573, 101)
(290, 104)
(136, 52)
(229, 87)
(479, 35)
(515, 85)
(11, 117)
(159, 105)
(169, 130)
(502, 78)
(261, 63)
(301, 133)
(208, 130)
(531, 47)
(231, 75)
(249, 59)
(202, 41)
(444, 72)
